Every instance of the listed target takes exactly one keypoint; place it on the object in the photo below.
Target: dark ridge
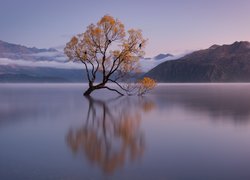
(226, 63)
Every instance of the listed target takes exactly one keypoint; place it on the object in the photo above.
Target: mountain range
(9, 48)
(218, 63)
(20, 52)
(225, 63)
(12, 73)
(19, 63)
(162, 56)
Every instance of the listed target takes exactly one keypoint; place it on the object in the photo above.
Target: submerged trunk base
(93, 88)
(88, 91)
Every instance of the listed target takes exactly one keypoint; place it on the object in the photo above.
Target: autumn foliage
(146, 84)
(106, 48)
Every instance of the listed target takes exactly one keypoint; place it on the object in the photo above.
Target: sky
(171, 26)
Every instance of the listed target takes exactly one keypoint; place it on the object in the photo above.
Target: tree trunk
(88, 91)
(99, 86)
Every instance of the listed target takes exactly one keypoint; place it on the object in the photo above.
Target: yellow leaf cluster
(97, 31)
(116, 53)
(107, 19)
(148, 83)
(74, 41)
(145, 85)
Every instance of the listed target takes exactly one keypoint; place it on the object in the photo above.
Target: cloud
(59, 61)
(59, 47)
(55, 56)
(148, 64)
(52, 64)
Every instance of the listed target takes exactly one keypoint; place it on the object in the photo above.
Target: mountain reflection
(111, 134)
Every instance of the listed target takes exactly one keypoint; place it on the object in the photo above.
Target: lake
(178, 131)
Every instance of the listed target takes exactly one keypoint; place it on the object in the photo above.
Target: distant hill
(149, 63)
(162, 56)
(23, 64)
(6, 48)
(20, 74)
(40, 74)
(19, 63)
(226, 63)
(16, 52)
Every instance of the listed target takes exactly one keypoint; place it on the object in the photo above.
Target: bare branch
(111, 89)
(87, 71)
(120, 86)
(92, 70)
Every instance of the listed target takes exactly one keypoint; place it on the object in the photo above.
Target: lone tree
(106, 50)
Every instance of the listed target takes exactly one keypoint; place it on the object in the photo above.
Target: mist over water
(178, 131)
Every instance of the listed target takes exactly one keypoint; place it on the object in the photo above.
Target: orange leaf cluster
(145, 85)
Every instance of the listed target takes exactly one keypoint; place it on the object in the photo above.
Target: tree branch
(95, 43)
(93, 67)
(111, 89)
(117, 84)
(113, 68)
(87, 71)
(103, 67)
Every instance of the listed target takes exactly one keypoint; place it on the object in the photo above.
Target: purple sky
(172, 26)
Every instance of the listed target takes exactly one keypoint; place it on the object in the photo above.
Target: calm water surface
(50, 131)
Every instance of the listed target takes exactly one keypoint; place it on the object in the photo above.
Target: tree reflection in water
(111, 134)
